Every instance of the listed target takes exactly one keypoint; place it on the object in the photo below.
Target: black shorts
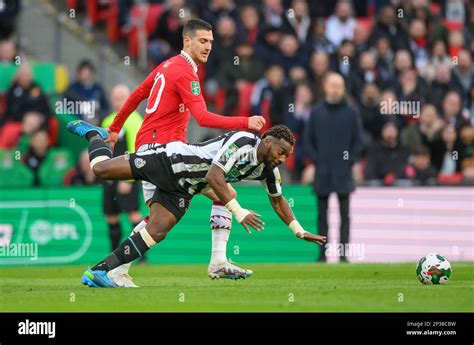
(116, 203)
(155, 167)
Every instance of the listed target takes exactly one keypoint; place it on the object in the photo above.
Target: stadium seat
(43, 73)
(9, 134)
(153, 13)
(113, 30)
(13, 174)
(244, 107)
(452, 25)
(55, 166)
(97, 11)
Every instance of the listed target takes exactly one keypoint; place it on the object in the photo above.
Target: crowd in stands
(270, 57)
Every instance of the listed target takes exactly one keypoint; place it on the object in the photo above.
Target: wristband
(238, 212)
(296, 227)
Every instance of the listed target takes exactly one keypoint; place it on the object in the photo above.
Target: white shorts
(147, 187)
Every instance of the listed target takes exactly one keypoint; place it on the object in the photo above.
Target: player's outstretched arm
(282, 208)
(216, 179)
(136, 97)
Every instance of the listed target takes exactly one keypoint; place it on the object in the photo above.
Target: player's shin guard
(133, 247)
(221, 224)
(98, 150)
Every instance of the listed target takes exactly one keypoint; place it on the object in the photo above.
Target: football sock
(130, 249)
(98, 150)
(136, 228)
(92, 134)
(221, 224)
(115, 232)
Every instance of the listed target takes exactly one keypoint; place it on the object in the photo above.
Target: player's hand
(307, 236)
(112, 139)
(252, 220)
(256, 123)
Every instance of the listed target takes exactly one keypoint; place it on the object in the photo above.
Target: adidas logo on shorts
(139, 162)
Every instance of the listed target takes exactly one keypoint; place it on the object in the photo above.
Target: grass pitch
(274, 287)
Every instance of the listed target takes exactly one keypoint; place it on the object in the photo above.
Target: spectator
(319, 66)
(270, 95)
(8, 14)
(340, 26)
(360, 38)
(250, 24)
(451, 110)
(463, 72)
(36, 153)
(122, 196)
(410, 88)
(439, 56)
(365, 72)
(369, 110)
(421, 170)
(418, 42)
(86, 89)
(8, 52)
(453, 153)
(290, 53)
(267, 43)
(223, 49)
(385, 58)
(319, 41)
(298, 22)
(426, 132)
(387, 159)
(273, 13)
(25, 95)
(343, 61)
(332, 157)
(442, 84)
(387, 25)
(216, 9)
(233, 75)
(402, 62)
(81, 174)
(166, 40)
(296, 119)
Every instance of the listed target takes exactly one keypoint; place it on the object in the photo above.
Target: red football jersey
(173, 91)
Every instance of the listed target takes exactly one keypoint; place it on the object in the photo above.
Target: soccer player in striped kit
(174, 93)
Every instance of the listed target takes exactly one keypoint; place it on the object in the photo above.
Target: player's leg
(221, 225)
(100, 154)
(120, 275)
(160, 223)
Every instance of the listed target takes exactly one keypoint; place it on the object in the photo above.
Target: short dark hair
(280, 132)
(85, 63)
(195, 24)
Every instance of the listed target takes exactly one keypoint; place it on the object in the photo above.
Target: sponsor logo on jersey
(195, 88)
(231, 150)
(139, 162)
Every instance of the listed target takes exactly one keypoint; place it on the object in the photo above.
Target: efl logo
(37, 328)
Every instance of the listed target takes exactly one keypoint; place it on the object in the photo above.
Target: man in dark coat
(333, 142)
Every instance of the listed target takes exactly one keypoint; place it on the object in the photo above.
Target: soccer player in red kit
(174, 93)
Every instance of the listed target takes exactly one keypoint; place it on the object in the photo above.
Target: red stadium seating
(244, 107)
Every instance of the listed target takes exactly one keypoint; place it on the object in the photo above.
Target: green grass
(315, 287)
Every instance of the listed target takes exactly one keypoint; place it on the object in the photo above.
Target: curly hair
(280, 132)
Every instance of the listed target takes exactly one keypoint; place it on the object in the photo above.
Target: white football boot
(227, 270)
(120, 277)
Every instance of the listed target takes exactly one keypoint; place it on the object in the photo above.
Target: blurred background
(63, 60)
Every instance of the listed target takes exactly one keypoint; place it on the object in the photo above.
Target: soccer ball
(433, 269)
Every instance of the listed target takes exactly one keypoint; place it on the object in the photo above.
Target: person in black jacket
(333, 142)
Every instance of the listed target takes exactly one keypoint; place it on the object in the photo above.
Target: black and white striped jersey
(234, 152)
